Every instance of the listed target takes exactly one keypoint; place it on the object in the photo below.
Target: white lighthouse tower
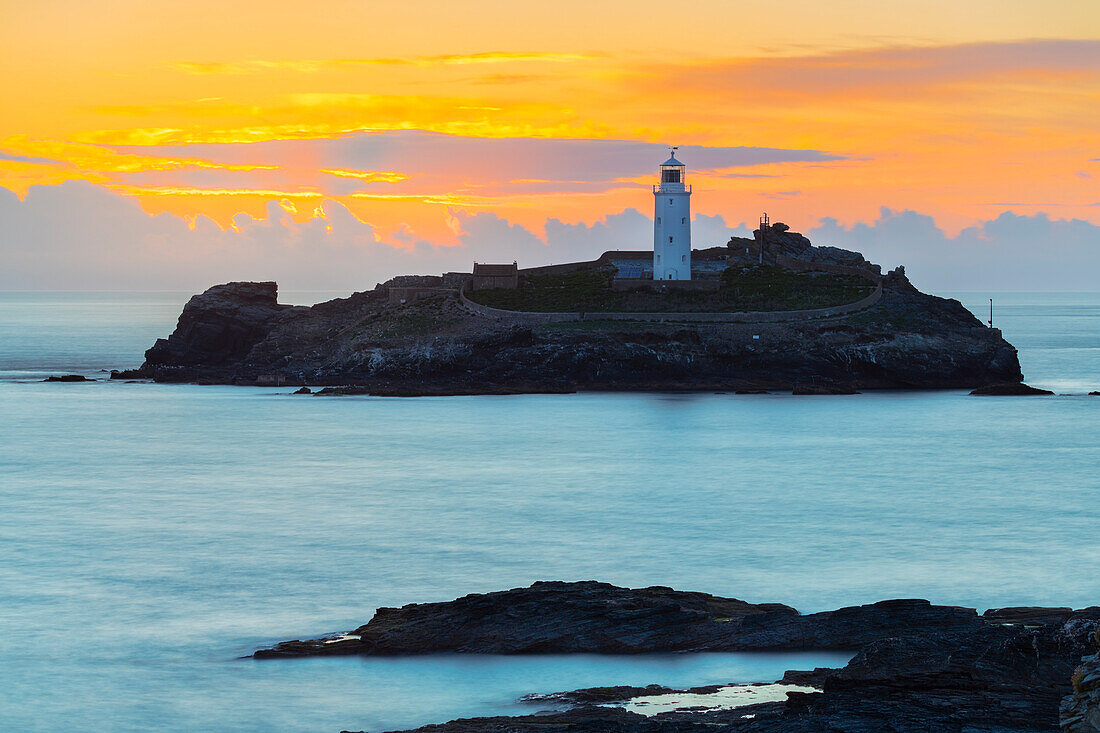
(672, 223)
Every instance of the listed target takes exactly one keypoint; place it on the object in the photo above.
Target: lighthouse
(672, 223)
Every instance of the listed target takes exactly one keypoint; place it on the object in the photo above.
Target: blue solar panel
(630, 272)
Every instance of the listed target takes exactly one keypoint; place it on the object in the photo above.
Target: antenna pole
(760, 243)
(991, 312)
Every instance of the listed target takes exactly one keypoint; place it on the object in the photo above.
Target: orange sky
(960, 110)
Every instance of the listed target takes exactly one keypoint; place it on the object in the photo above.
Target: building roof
(495, 270)
(672, 161)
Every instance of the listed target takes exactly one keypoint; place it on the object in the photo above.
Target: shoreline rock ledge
(918, 667)
(238, 333)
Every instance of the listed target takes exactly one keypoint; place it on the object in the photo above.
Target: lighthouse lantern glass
(672, 174)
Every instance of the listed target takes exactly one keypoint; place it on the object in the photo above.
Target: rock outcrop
(780, 240)
(218, 328)
(1010, 389)
(1003, 677)
(782, 245)
(238, 333)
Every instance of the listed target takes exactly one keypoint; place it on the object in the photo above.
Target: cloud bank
(81, 236)
(1009, 252)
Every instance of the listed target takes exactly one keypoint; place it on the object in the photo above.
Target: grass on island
(420, 318)
(755, 288)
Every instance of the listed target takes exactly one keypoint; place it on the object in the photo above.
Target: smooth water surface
(152, 534)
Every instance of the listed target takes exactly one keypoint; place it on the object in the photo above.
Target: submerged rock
(1010, 389)
(303, 390)
(596, 695)
(345, 390)
(68, 378)
(822, 389)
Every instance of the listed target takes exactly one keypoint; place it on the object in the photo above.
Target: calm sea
(150, 535)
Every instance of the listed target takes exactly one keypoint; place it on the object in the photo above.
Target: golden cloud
(310, 66)
(182, 191)
(370, 176)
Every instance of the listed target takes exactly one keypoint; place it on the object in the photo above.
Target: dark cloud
(588, 164)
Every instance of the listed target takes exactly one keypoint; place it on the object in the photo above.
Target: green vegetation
(756, 288)
(583, 290)
(767, 287)
(420, 318)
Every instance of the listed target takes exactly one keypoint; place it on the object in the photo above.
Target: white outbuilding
(672, 223)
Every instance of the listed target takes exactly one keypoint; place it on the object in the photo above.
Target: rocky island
(916, 666)
(771, 313)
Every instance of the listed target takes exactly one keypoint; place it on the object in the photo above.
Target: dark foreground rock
(598, 618)
(995, 679)
(548, 617)
(237, 333)
(1011, 389)
(919, 667)
(1080, 711)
